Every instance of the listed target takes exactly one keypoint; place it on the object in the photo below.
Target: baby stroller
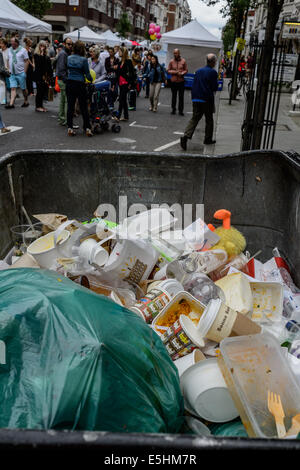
(100, 113)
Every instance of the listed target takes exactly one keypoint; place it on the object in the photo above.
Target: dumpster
(252, 185)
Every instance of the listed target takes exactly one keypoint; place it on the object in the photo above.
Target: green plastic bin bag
(72, 359)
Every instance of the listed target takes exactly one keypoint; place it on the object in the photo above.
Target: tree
(236, 11)
(228, 36)
(124, 26)
(35, 8)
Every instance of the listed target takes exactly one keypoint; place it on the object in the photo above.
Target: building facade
(257, 19)
(100, 15)
(178, 14)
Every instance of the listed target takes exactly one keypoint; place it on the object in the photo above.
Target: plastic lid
(171, 284)
(208, 317)
(191, 331)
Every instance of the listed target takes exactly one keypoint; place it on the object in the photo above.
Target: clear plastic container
(251, 366)
(197, 284)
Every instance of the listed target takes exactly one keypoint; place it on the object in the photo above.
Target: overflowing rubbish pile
(141, 327)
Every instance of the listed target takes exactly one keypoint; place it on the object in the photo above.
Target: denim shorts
(18, 80)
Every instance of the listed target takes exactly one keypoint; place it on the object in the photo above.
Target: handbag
(4, 72)
(56, 87)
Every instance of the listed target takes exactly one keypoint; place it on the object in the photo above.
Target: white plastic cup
(189, 360)
(92, 252)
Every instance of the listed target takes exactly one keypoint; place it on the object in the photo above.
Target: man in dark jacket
(62, 75)
(204, 86)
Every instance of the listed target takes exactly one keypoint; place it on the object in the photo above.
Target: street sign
(288, 75)
(291, 31)
(74, 3)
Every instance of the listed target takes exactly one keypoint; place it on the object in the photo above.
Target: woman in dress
(42, 74)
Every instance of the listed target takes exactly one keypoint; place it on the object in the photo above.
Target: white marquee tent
(194, 43)
(110, 38)
(13, 18)
(86, 35)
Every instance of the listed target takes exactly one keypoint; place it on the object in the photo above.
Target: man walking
(18, 64)
(177, 69)
(62, 75)
(204, 86)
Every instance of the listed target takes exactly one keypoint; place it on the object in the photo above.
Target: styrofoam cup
(45, 250)
(206, 393)
(189, 360)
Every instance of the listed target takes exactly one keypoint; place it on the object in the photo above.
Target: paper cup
(189, 360)
(196, 306)
(217, 321)
(156, 299)
(206, 394)
(181, 338)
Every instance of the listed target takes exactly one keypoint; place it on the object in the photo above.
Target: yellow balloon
(93, 75)
(153, 37)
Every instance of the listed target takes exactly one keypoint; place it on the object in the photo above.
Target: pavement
(145, 131)
(231, 117)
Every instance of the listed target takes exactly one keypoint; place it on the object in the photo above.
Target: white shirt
(5, 57)
(21, 56)
(103, 56)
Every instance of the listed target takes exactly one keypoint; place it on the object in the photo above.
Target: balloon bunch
(154, 32)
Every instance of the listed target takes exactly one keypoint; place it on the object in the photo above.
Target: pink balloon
(157, 29)
(158, 35)
(152, 26)
(151, 31)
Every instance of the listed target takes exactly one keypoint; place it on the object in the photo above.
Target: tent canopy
(110, 38)
(85, 35)
(12, 17)
(192, 34)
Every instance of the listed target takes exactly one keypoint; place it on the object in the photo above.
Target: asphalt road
(145, 131)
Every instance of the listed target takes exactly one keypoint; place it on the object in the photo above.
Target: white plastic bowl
(206, 394)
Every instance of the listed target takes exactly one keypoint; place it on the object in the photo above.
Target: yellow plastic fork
(275, 407)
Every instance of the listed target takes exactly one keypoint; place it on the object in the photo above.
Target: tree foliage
(124, 26)
(228, 36)
(35, 8)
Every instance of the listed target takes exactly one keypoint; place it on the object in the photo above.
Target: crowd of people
(68, 66)
(245, 66)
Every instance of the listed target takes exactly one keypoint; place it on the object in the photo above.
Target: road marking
(124, 140)
(164, 147)
(134, 124)
(12, 129)
(178, 133)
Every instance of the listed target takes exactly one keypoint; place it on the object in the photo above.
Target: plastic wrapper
(76, 360)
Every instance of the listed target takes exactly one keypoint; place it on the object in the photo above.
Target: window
(109, 8)
(117, 10)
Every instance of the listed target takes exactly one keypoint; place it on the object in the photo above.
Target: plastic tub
(252, 366)
(267, 300)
